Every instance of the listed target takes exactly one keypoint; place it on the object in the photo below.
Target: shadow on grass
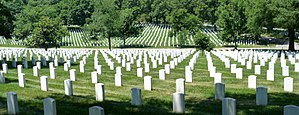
(79, 105)
(30, 66)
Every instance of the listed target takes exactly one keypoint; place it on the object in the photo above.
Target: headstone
(65, 67)
(44, 83)
(111, 65)
(118, 79)
(20, 68)
(270, 75)
(68, 87)
(217, 78)
(219, 91)
(136, 98)
(248, 65)
(53, 73)
(147, 83)
(82, 67)
(257, 69)
(118, 70)
(296, 67)
(22, 80)
(5, 68)
(73, 74)
(180, 85)
(288, 84)
(285, 71)
(139, 72)
(146, 68)
(99, 69)
(161, 74)
(188, 74)
(261, 96)
(172, 65)
(100, 92)
(252, 81)
(35, 71)
(239, 73)
(38, 64)
(233, 68)
(228, 106)
(12, 103)
(49, 106)
(178, 102)
(128, 66)
(167, 68)
(94, 77)
(2, 77)
(290, 110)
(96, 110)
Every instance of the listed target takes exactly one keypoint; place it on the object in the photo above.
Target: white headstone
(233, 68)
(146, 68)
(180, 85)
(44, 83)
(147, 83)
(188, 74)
(161, 74)
(35, 71)
(239, 73)
(128, 66)
(100, 92)
(270, 75)
(73, 74)
(22, 80)
(252, 81)
(218, 78)
(94, 77)
(139, 72)
(288, 84)
(257, 69)
(99, 69)
(167, 68)
(118, 79)
(285, 71)
(5, 68)
(53, 73)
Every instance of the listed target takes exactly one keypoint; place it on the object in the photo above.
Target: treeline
(118, 18)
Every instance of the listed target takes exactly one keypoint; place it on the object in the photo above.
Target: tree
(202, 41)
(46, 33)
(75, 12)
(287, 16)
(259, 14)
(31, 14)
(231, 19)
(5, 20)
(105, 21)
(183, 21)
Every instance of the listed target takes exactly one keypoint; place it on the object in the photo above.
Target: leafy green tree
(46, 33)
(287, 16)
(203, 42)
(231, 19)
(106, 21)
(259, 14)
(31, 14)
(183, 21)
(5, 20)
(75, 12)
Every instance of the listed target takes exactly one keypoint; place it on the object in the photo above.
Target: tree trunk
(235, 40)
(215, 27)
(291, 34)
(124, 40)
(109, 43)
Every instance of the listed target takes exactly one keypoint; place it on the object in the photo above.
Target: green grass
(199, 94)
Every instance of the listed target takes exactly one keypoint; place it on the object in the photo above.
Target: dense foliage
(233, 18)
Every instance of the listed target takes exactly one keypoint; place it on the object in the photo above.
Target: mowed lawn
(199, 98)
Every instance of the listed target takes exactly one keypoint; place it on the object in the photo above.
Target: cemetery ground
(199, 98)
